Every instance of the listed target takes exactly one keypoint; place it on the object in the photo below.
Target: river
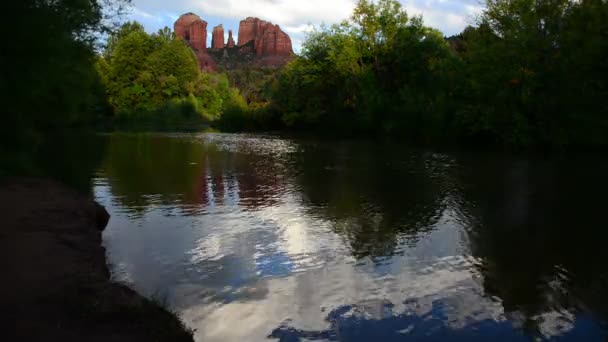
(262, 238)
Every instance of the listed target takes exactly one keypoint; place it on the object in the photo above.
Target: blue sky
(295, 16)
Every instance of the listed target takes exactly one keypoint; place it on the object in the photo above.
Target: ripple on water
(301, 240)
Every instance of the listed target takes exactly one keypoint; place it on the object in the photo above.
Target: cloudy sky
(295, 16)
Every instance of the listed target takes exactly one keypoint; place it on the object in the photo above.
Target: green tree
(525, 68)
(155, 80)
(48, 84)
(380, 72)
(115, 36)
(582, 74)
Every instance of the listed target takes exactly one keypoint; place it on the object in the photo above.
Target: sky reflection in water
(259, 238)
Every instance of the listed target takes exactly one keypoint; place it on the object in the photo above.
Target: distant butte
(217, 39)
(191, 28)
(260, 43)
(231, 42)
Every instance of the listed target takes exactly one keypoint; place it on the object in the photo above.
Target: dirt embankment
(55, 284)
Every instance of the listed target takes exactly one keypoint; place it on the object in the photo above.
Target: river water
(260, 238)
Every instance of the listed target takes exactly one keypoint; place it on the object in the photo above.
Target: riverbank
(56, 283)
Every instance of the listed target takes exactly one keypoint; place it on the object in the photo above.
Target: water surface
(257, 238)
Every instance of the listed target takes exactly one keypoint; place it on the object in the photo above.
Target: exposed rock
(268, 39)
(217, 39)
(248, 30)
(231, 43)
(274, 42)
(192, 29)
(205, 61)
(260, 43)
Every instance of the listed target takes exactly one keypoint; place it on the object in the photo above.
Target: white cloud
(303, 28)
(282, 12)
(449, 16)
(139, 13)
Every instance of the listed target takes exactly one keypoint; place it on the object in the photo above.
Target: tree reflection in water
(520, 242)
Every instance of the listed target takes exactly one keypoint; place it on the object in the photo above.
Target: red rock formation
(191, 28)
(260, 43)
(248, 30)
(274, 42)
(206, 61)
(231, 42)
(217, 39)
(268, 39)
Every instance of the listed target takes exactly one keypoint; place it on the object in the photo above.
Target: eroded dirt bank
(55, 283)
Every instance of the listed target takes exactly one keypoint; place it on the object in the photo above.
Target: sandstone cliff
(231, 44)
(191, 28)
(268, 39)
(260, 43)
(217, 39)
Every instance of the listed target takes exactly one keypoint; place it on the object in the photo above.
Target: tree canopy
(48, 84)
(529, 73)
(155, 78)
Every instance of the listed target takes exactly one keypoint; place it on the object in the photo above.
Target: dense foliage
(536, 73)
(155, 79)
(532, 72)
(529, 73)
(381, 72)
(49, 85)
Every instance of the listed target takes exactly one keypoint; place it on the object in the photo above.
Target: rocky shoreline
(56, 284)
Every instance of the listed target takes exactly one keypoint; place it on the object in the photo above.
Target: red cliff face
(273, 42)
(231, 42)
(268, 39)
(260, 43)
(248, 30)
(217, 39)
(191, 28)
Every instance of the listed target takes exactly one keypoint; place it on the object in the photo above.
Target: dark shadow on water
(71, 158)
(532, 230)
(539, 229)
